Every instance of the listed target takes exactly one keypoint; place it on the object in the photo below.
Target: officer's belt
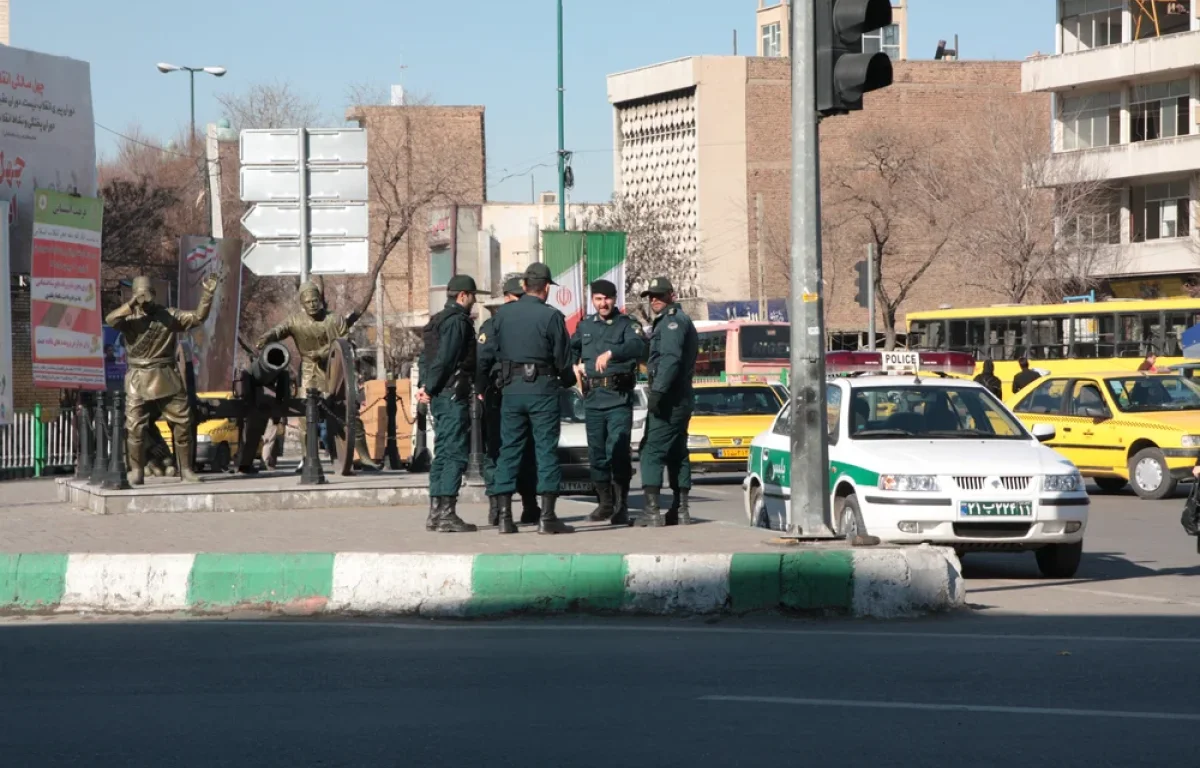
(151, 362)
(615, 381)
(542, 370)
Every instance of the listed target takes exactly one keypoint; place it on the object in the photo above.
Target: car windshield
(1142, 394)
(736, 401)
(915, 411)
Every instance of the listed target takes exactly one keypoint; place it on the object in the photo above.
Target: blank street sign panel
(269, 147)
(335, 145)
(337, 183)
(329, 257)
(261, 185)
(267, 221)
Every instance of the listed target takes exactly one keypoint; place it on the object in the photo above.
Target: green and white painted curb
(883, 583)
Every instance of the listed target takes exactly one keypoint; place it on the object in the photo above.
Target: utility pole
(562, 149)
(758, 224)
(305, 251)
(810, 514)
(381, 372)
(871, 296)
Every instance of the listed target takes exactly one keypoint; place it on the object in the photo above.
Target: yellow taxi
(726, 417)
(1120, 428)
(216, 439)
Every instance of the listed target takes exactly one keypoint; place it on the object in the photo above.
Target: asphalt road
(1065, 692)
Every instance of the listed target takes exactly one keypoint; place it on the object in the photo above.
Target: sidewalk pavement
(382, 561)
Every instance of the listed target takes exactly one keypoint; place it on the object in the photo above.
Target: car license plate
(733, 453)
(574, 487)
(996, 508)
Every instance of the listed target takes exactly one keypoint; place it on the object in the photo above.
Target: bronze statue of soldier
(314, 331)
(152, 381)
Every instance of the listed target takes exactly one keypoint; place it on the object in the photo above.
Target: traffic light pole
(809, 469)
(871, 297)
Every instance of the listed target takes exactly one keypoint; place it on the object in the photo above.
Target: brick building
(710, 134)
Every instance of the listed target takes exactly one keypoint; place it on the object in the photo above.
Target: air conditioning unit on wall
(548, 198)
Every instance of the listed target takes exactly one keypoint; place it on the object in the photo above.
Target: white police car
(918, 459)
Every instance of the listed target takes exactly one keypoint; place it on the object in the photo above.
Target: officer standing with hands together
(672, 364)
(607, 347)
(533, 347)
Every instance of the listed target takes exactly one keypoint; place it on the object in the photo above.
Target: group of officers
(518, 366)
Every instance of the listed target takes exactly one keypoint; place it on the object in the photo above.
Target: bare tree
(899, 191)
(656, 244)
(270, 105)
(368, 94)
(1042, 221)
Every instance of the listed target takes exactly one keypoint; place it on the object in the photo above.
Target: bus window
(958, 335)
(765, 342)
(1139, 334)
(1049, 341)
(1085, 336)
(710, 353)
(928, 335)
(1177, 323)
(1007, 338)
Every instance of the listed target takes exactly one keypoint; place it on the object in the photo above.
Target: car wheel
(1110, 484)
(849, 517)
(1059, 561)
(221, 458)
(758, 508)
(1150, 476)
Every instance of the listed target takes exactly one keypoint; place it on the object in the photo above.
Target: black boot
(493, 510)
(450, 522)
(435, 513)
(671, 516)
(620, 493)
(651, 515)
(607, 507)
(505, 522)
(684, 514)
(549, 522)
(530, 511)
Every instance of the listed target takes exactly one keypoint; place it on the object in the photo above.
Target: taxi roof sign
(745, 378)
(898, 362)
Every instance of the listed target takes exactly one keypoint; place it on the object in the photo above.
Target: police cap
(513, 287)
(539, 271)
(604, 288)
(461, 284)
(659, 286)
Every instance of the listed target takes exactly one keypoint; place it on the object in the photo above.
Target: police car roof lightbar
(899, 362)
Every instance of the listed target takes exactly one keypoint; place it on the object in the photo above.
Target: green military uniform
(533, 348)
(447, 369)
(152, 382)
(314, 331)
(487, 370)
(672, 364)
(608, 401)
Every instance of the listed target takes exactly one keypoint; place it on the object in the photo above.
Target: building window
(1160, 111)
(1088, 24)
(1169, 18)
(886, 40)
(771, 40)
(1093, 219)
(441, 267)
(1091, 121)
(1161, 210)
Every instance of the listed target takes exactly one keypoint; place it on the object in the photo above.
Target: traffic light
(844, 72)
(864, 288)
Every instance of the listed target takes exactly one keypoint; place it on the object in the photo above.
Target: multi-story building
(1124, 83)
(774, 31)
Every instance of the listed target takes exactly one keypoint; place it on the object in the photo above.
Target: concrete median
(879, 582)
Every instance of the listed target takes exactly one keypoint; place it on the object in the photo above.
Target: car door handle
(1089, 433)
(1066, 429)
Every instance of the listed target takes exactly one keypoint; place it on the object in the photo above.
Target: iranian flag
(576, 259)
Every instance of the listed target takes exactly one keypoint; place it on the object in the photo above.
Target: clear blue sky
(500, 54)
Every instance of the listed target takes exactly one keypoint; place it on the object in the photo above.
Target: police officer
(535, 362)
(448, 368)
(487, 374)
(606, 348)
(672, 364)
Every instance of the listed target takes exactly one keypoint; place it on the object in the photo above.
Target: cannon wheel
(188, 373)
(341, 403)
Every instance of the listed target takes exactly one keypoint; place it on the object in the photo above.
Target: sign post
(309, 189)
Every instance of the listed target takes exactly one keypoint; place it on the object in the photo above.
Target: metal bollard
(312, 474)
(117, 478)
(100, 462)
(422, 459)
(83, 427)
(391, 451)
(475, 456)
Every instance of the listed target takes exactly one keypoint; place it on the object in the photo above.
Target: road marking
(857, 704)
(1127, 595)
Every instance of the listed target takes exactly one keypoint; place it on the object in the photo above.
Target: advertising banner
(6, 370)
(115, 362)
(212, 347)
(47, 138)
(65, 292)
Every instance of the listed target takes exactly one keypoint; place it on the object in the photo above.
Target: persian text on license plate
(996, 508)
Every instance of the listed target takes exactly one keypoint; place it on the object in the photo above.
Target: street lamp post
(215, 72)
(562, 150)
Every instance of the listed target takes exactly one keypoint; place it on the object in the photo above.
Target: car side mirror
(1099, 414)
(1044, 432)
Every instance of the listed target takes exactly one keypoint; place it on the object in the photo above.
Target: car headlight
(203, 438)
(699, 441)
(908, 483)
(1062, 483)
(1191, 441)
